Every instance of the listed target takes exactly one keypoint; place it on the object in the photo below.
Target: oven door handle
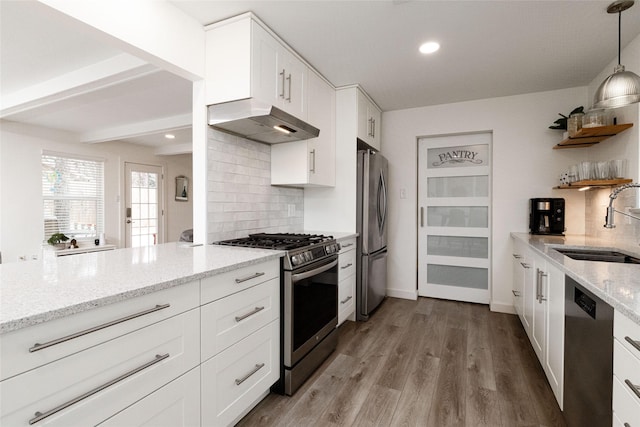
(301, 276)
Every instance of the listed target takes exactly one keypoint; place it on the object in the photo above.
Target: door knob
(129, 221)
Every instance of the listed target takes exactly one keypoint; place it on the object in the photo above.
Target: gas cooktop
(302, 249)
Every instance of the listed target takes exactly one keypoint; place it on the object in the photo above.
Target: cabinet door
(374, 121)
(234, 379)
(264, 65)
(364, 124)
(529, 292)
(518, 280)
(177, 404)
(539, 325)
(554, 357)
(322, 150)
(292, 84)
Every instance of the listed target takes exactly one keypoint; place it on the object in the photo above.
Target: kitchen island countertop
(615, 283)
(34, 292)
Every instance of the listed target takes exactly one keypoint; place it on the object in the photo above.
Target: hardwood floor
(422, 363)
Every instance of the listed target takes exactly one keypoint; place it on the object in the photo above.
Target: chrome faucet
(610, 210)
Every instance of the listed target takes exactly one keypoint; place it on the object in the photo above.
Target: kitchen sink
(604, 255)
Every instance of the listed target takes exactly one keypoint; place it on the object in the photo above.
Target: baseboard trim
(402, 293)
(502, 308)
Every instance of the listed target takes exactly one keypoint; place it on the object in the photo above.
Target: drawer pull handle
(251, 313)
(627, 425)
(634, 388)
(525, 265)
(515, 293)
(39, 416)
(346, 245)
(246, 377)
(252, 276)
(346, 299)
(38, 346)
(346, 266)
(635, 344)
(516, 256)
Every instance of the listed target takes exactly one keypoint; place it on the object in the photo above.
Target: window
(73, 195)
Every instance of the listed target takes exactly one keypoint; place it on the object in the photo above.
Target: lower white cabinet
(177, 404)
(88, 387)
(626, 371)
(347, 281)
(234, 379)
(542, 298)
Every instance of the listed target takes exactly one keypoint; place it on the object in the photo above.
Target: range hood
(258, 121)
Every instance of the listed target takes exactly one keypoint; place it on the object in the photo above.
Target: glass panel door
(454, 239)
(144, 224)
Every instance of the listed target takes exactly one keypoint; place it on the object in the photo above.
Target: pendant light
(622, 87)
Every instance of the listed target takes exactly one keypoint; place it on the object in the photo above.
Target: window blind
(73, 196)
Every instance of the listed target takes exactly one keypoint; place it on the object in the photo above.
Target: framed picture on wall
(182, 188)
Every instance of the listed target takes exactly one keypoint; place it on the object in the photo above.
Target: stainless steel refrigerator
(371, 271)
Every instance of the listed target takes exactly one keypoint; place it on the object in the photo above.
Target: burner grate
(281, 241)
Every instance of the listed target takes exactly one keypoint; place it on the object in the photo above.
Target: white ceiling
(489, 49)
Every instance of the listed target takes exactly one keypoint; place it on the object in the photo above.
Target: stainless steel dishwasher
(588, 358)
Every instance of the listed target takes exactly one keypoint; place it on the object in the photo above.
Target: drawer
(347, 264)
(626, 366)
(626, 330)
(222, 285)
(80, 331)
(104, 379)
(347, 244)
(625, 406)
(233, 380)
(346, 298)
(177, 404)
(226, 321)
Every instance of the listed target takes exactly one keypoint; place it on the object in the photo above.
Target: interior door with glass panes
(454, 229)
(143, 209)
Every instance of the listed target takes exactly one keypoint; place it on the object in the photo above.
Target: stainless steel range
(309, 301)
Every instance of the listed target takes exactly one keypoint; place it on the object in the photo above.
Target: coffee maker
(546, 216)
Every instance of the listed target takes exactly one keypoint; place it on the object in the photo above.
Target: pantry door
(454, 227)
(144, 223)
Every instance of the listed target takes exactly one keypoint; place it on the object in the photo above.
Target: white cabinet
(233, 380)
(240, 341)
(369, 120)
(543, 311)
(311, 162)
(244, 60)
(626, 370)
(347, 280)
(90, 386)
(177, 404)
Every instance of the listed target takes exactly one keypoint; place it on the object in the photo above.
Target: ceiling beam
(170, 150)
(165, 124)
(102, 74)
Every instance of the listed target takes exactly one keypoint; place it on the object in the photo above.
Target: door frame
(162, 221)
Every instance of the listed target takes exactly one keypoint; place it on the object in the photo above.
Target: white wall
(241, 199)
(21, 192)
(524, 166)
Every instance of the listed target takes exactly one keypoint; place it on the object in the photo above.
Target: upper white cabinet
(311, 162)
(243, 60)
(369, 120)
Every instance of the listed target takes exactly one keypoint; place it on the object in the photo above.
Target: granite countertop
(615, 283)
(33, 292)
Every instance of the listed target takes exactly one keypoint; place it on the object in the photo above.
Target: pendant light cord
(619, 39)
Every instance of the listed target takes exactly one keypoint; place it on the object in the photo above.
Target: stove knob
(295, 260)
(308, 256)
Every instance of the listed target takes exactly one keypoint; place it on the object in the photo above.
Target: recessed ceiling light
(170, 136)
(429, 47)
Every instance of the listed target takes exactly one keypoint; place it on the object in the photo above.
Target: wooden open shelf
(586, 137)
(600, 183)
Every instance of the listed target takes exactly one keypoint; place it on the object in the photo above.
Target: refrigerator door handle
(382, 209)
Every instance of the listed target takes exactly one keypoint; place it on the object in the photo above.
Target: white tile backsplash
(241, 199)
(627, 230)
